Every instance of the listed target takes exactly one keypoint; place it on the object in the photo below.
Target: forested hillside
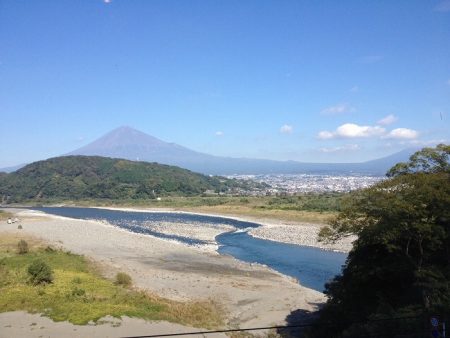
(93, 177)
(399, 266)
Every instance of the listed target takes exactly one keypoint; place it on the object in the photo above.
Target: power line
(223, 331)
(303, 325)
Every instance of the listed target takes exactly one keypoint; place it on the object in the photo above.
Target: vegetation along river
(313, 267)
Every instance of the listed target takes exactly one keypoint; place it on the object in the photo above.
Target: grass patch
(8, 242)
(79, 294)
(302, 207)
(4, 215)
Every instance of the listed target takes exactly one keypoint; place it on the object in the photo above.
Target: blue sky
(326, 81)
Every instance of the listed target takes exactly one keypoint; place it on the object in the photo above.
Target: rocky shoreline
(300, 234)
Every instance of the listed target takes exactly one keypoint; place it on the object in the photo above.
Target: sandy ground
(252, 295)
(26, 325)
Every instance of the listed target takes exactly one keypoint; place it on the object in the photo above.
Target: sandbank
(252, 295)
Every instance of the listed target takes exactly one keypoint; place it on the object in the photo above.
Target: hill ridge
(94, 177)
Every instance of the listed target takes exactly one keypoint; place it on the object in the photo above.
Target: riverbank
(300, 233)
(249, 293)
(22, 324)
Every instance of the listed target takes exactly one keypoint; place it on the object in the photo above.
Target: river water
(312, 267)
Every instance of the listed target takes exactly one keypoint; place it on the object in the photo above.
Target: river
(312, 267)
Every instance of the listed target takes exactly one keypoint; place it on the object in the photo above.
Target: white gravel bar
(300, 234)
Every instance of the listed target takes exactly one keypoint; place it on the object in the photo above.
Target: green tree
(428, 160)
(400, 262)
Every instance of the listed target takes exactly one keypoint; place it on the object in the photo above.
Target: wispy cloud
(219, 133)
(107, 1)
(286, 129)
(448, 81)
(354, 89)
(351, 130)
(340, 108)
(427, 143)
(368, 59)
(402, 134)
(385, 121)
(347, 147)
(443, 6)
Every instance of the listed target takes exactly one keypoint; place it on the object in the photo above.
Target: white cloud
(402, 134)
(325, 135)
(443, 6)
(385, 121)
(338, 109)
(354, 89)
(107, 1)
(347, 147)
(286, 129)
(219, 133)
(351, 130)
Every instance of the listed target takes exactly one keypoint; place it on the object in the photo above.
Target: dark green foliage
(22, 247)
(400, 263)
(123, 279)
(40, 272)
(428, 160)
(93, 177)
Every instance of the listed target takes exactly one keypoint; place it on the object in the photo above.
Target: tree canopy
(94, 177)
(428, 160)
(400, 262)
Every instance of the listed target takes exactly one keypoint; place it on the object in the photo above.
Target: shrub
(19, 227)
(40, 272)
(123, 279)
(22, 247)
(78, 292)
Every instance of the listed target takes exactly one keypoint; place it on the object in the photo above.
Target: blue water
(311, 266)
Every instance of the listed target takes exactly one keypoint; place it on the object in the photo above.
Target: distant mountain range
(132, 144)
